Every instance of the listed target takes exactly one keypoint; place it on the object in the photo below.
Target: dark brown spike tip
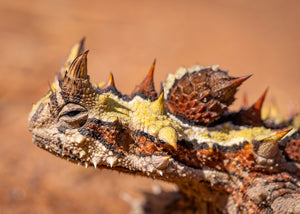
(146, 89)
(252, 115)
(78, 68)
(81, 46)
(232, 83)
(75, 51)
(259, 103)
(239, 80)
(225, 88)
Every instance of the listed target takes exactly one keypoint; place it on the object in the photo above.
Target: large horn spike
(76, 82)
(78, 68)
(75, 51)
(146, 89)
(158, 105)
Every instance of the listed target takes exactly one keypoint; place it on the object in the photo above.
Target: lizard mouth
(56, 149)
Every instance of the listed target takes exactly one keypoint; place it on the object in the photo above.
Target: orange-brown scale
(187, 156)
(211, 158)
(106, 133)
(292, 149)
(147, 145)
(234, 159)
(240, 161)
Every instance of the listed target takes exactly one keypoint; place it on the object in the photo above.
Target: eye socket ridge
(71, 110)
(72, 116)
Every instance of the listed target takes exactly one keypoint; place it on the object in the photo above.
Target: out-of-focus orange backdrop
(244, 37)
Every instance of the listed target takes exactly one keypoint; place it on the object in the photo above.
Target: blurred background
(244, 37)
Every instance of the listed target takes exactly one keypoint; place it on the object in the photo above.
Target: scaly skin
(222, 162)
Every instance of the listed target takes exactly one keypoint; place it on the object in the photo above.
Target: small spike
(158, 105)
(268, 147)
(111, 81)
(82, 153)
(160, 162)
(280, 134)
(146, 88)
(95, 164)
(78, 68)
(110, 85)
(259, 103)
(151, 71)
(252, 115)
(112, 161)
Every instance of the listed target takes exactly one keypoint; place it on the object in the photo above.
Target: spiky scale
(110, 83)
(75, 51)
(202, 96)
(252, 115)
(268, 147)
(146, 88)
(78, 68)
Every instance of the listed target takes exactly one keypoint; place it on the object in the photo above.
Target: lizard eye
(72, 113)
(72, 116)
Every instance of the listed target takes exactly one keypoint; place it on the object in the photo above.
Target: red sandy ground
(258, 37)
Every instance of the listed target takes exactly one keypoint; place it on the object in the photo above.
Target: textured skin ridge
(221, 161)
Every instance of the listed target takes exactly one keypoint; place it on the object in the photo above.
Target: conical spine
(146, 88)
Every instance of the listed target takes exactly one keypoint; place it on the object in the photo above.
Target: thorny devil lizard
(221, 161)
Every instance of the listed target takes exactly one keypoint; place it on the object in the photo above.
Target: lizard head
(99, 126)
(56, 118)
